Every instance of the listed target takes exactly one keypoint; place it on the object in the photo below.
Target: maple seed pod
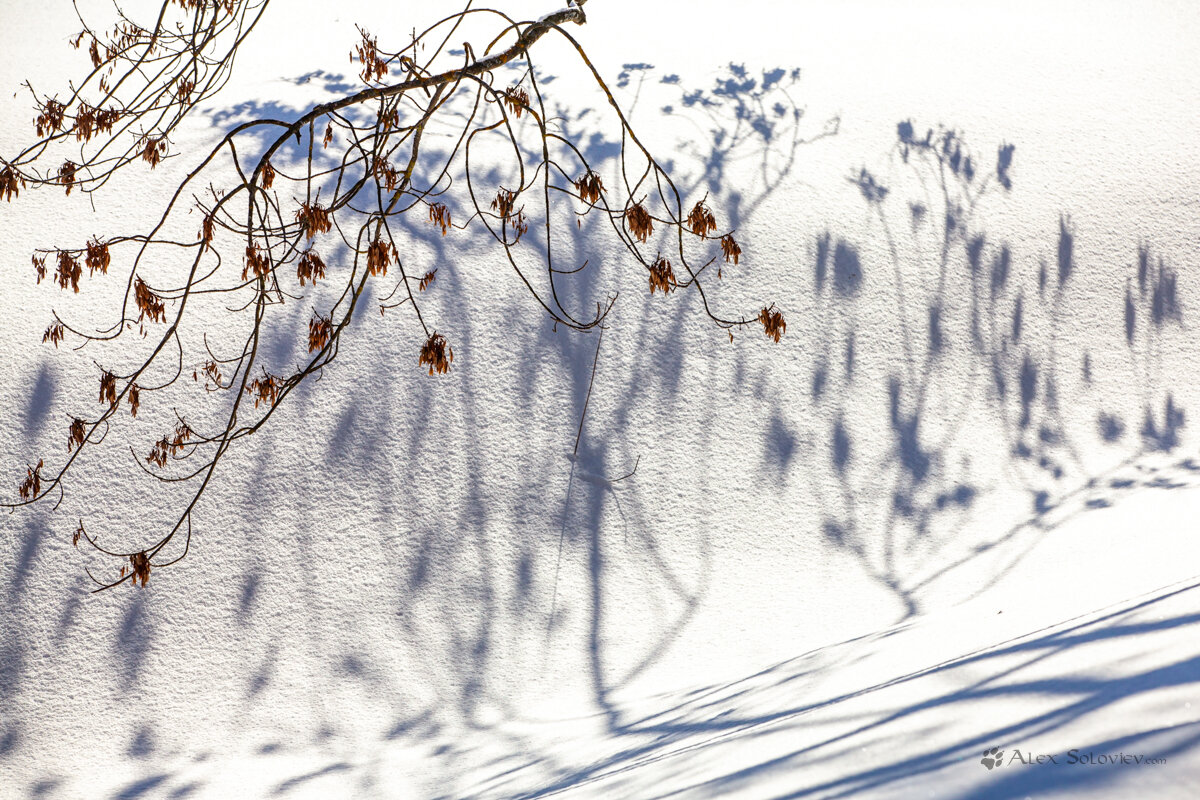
(440, 215)
(313, 219)
(701, 220)
(310, 267)
(662, 277)
(773, 324)
(206, 230)
(589, 187)
(139, 565)
(54, 334)
(150, 304)
(730, 248)
(374, 67)
(31, 487)
(108, 388)
(66, 175)
(517, 100)
(504, 202)
(639, 222)
(320, 329)
(98, 257)
(265, 390)
(154, 150)
(68, 272)
(51, 119)
(76, 434)
(10, 184)
(257, 263)
(436, 353)
(378, 257)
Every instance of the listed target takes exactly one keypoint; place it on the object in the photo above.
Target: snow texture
(953, 510)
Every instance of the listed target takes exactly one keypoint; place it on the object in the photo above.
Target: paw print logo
(992, 758)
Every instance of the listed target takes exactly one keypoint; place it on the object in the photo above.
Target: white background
(405, 588)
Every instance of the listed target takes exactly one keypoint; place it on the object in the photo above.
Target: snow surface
(951, 511)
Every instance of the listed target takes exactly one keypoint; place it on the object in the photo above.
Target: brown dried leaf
(423, 284)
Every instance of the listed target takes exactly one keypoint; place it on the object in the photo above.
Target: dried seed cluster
(589, 187)
(773, 324)
(662, 277)
(436, 354)
(639, 222)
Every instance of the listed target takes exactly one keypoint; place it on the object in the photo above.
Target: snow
(950, 511)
